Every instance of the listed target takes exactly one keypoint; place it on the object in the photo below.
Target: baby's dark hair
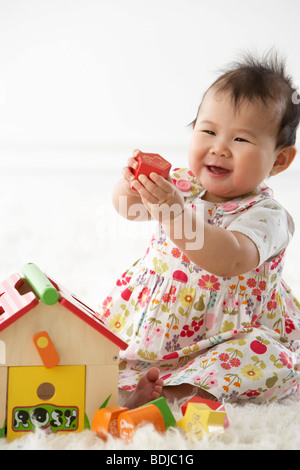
(265, 79)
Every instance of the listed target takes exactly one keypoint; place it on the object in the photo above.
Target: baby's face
(232, 150)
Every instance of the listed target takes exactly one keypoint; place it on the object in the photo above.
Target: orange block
(105, 421)
(131, 419)
(46, 349)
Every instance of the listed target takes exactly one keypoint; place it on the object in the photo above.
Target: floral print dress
(235, 337)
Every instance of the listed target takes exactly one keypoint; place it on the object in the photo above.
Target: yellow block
(199, 418)
(49, 399)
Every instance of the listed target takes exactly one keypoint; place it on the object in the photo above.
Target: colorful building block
(167, 414)
(131, 419)
(201, 415)
(213, 405)
(156, 412)
(151, 163)
(106, 421)
(46, 349)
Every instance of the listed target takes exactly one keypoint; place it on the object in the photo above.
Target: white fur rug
(274, 426)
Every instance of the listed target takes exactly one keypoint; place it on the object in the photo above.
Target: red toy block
(151, 163)
(214, 405)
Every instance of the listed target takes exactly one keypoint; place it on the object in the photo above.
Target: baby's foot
(148, 388)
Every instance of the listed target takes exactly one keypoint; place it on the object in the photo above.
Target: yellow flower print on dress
(117, 322)
(186, 296)
(252, 372)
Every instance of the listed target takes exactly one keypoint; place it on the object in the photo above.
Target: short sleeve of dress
(268, 225)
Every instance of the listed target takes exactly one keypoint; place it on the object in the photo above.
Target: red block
(214, 405)
(151, 163)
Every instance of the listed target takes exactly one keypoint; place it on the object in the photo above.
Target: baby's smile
(218, 171)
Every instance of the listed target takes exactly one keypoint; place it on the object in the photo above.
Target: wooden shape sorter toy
(58, 360)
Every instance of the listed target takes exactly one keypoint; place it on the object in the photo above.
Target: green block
(41, 285)
(163, 407)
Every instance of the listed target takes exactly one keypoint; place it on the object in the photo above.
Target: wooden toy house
(58, 360)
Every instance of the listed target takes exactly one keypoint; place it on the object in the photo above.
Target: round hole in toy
(45, 391)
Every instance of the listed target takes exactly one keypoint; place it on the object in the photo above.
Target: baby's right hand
(131, 164)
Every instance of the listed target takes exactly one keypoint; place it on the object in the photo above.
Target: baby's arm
(223, 252)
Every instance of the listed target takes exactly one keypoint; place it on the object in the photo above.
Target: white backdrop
(125, 72)
(82, 83)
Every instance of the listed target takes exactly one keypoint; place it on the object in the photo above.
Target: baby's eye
(240, 139)
(207, 131)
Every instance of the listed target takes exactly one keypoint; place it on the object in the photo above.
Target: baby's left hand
(160, 196)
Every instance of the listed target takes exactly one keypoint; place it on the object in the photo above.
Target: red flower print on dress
(176, 252)
(186, 331)
(276, 261)
(129, 388)
(251, 282)
(289, 325)
(256, 292)
(226, 365)
(189, 330)
(209, 282)
(286, 360)
(169, 296)
(123, 280)
(235, 362)
(223, 357)
(144, 296)
(251, 393)
(262, 285)
(185, 258)
(107, 304)
(271, 305)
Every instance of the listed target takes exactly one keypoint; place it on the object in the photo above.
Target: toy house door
(49, 399)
